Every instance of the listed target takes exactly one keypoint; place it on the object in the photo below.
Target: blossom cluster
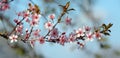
(4, 5)
(54, 36)
(32, 17)
(79, 36)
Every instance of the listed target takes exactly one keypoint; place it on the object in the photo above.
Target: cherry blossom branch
(29, 34)
(30, 31)
(4, 35)
(33, 12)
(16, 26)
(41, 13)
(55, 24)
(65, 10)
(4, 4)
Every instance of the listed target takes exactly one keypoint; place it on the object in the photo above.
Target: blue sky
(112, 7)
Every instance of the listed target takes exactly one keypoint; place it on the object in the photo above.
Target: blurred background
(87, 12)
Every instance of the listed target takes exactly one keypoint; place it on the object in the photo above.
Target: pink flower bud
(51, 16)
(68, 21)
(41, 40)
(32, 43)
(5, 7)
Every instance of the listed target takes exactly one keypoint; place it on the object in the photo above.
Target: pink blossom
(19, 28)
(54, 32)
(13, 38)
(71, 37)
(32, 43)
(36, 32)
(19, 14)
(68, 21)
(27, 35)
(5, 7)
(35, 17)
(4, 0)
(98, 35)
(26, 14)
(16, 21)
(41, 40)
(48, 25)
(80, 32)
(62, 39)
(51, 16)
(89, 36)
(27, 20)
(32, 23)
(87, 28)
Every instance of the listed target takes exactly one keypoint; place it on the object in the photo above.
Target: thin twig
(65, 10)
(31, 30)
(55, 24)
(16, 26)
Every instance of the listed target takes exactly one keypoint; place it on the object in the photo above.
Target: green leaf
(109, 30)
(98, 56)
(105, 46)
(109, 25)
(103, 39)
(106, 34)
(117, 52)
(20, 51)
(70, 9)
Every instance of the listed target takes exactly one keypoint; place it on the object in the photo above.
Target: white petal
(15, 40)
(10, 37)
(39, 16)
(99, 38)
(16, 36)
(13, 35)
(80, 29)
(82, 34)
(78, 35)
(77, 31)
(11, 41)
